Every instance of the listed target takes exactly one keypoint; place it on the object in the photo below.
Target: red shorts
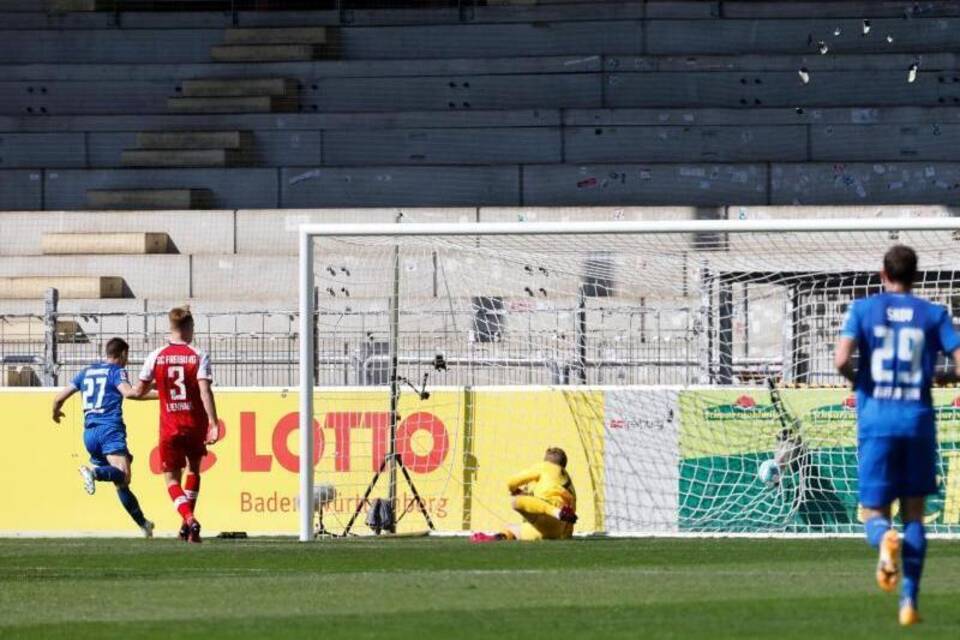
(176, 449)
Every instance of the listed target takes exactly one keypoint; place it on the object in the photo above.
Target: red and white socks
(191, 489)
(180, 502)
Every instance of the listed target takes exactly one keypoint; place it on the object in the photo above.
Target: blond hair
(180, 318)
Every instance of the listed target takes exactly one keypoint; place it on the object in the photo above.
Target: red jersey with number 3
(175, 370)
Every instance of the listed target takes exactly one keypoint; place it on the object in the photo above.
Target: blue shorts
(105, 439)
(892, 467)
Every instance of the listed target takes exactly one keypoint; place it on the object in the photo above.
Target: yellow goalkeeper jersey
(550, 483)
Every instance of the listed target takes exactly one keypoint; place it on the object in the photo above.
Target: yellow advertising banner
(459, 447)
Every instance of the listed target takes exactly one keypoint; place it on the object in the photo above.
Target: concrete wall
(668, 103)
(860, 183)
(771, 89)
(232, 188)
(533, 35)
(684, 143)
(304, 187)
(247, 259)
(153, 276)
(476, 92)
(631, 184)
(589, 184)
(21, 190)
(29, 13)
(443, 146)
(472, 90)
(84, 97)
(771, 35)
(192, 232)
(638, 142)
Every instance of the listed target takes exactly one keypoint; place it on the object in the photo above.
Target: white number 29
(909, 348)
(176, 375)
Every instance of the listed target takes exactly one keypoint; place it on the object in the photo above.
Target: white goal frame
(309, 232)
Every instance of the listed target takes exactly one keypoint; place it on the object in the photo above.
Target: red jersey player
(188, 414)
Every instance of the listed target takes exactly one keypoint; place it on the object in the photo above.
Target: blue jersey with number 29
(102, 400)
(899, 337)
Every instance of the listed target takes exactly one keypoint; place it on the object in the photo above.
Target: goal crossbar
(628, 227)
(307, 306)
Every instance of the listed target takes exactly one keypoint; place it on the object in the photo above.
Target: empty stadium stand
(220, 113)
(512, 103)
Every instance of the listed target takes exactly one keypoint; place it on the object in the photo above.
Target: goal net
(670, 360)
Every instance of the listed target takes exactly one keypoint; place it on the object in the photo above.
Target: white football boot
(89, 482)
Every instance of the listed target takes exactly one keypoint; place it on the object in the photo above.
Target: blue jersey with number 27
(102, 400)
(899, 337)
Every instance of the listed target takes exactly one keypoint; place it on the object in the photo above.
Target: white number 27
(908, 342)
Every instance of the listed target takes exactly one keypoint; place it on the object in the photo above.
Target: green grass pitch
(446, 588)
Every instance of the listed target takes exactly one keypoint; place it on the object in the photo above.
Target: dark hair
(180, 318)
(116, 347)
(900, 264)
(557, 456)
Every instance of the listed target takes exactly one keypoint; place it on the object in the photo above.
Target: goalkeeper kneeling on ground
(545, 497)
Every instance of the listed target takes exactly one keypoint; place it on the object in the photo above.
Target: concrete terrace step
(80, 287)
(143, 276)
(149, 199)
(66, 6)
(310, 71)
(240, 104)
(286, 35)
(19, 376)
(27, 330)
(183, 158)
(210, 231)
(104, 243)
(194, 139)
(26, 15)
(25, 72)
(533, 38)
(876, 115)
(239, 87)
(266, 52)
(680, 88)
(840, 8)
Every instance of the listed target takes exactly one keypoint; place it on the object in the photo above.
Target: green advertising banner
(725, 435)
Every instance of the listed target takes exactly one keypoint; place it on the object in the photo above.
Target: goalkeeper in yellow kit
(545, 497)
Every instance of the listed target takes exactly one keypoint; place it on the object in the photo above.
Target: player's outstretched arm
(516, 483)
(61, 398)
(210, 406)
(139, 391)
(843, 358)
(950, 343)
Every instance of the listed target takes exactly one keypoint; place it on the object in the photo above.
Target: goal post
(456, 352)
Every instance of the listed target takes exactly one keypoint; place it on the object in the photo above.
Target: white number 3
(176, 375)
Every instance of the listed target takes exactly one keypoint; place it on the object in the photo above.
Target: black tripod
(393, 458)
(397, 461)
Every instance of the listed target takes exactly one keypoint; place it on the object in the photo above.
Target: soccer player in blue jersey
(102, 387)
(899, 338)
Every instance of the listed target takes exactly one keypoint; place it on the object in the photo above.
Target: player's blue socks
(914, 551)
(131, 504)
(875, 528)
(108, 473)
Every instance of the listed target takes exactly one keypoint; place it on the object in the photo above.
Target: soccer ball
(769, 473)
